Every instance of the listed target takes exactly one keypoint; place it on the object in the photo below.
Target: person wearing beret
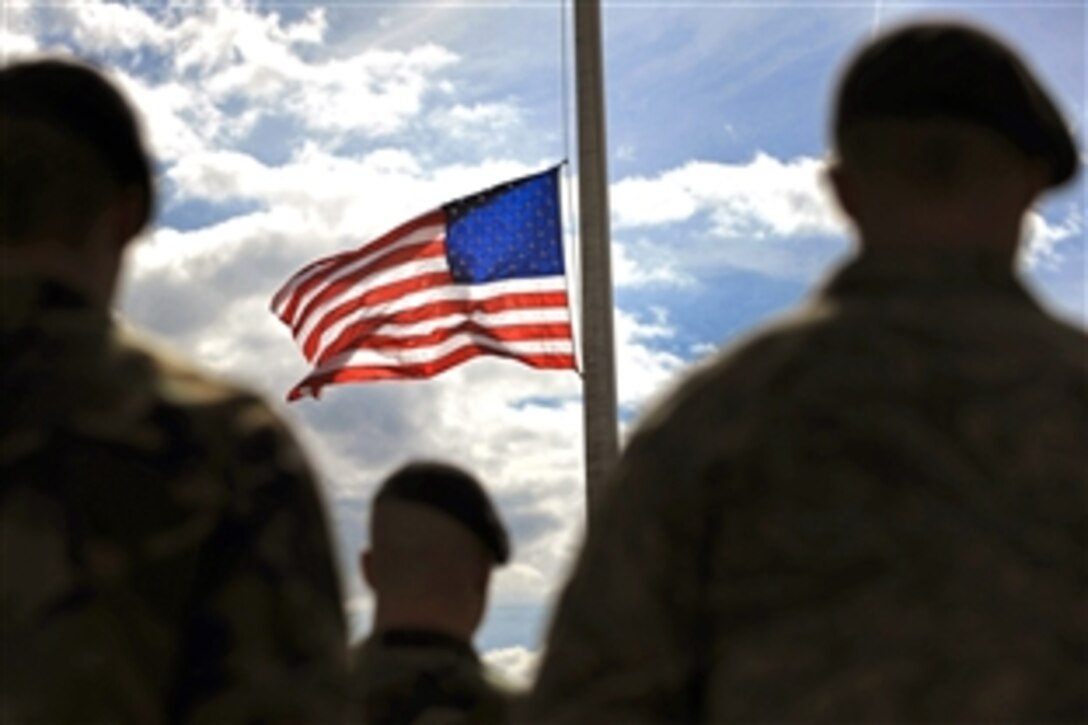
(165, 554)
(435, 538)
(873, 510)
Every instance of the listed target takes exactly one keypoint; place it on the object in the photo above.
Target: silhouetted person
(434, 539)
(873, 511)
(164, 550)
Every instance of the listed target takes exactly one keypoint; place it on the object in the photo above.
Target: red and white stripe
(391, 310)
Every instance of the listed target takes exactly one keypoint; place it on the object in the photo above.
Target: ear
(1037, 179)
(105, 241)
(483, 578)
(366, 568)
(843, 183)
(131, 214)
(121, 219)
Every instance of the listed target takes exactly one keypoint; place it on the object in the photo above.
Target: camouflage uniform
(406, 677)
(165, 552)
(875, 511)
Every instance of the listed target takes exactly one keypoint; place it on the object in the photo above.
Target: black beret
(454, 493)
(77, 99)
(952, 70)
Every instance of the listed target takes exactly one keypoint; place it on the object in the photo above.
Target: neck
(999, 245)
(91, 273)
(433, 615)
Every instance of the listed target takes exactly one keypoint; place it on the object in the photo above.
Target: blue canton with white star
(510, 231)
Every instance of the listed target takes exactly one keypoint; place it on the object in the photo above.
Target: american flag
(481, 275)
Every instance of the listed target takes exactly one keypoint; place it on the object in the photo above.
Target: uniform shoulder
(407, 682)
(180, 380)
(742, 375)
(724, 408)
(1065, 335)
(232, 424)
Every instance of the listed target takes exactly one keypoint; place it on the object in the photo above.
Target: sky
(283, 132)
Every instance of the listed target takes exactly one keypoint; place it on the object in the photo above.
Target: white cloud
(642, 370)
(1044, 239)
(626, 152)
(642, 202)
(310, 29)
(767, 215)
(229, 36)
(759, 216)
(517, 665)
(227, 56)
(221, 175)
(16, 32)
(341, 201)
(765, 197)
(703, 349)
(244, 239)
(14, 45)
(374, 93)
(103, 26)
(485, 127)
(177, 121)
(642, 263)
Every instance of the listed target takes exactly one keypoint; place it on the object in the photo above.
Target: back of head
(435, 536)
(944, 71)
(68, 143)
(944, 140)
(419, 552)
(453, 493)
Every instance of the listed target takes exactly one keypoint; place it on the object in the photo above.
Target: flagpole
(598, 354)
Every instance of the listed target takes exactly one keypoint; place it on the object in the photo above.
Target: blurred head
(76, 178)
(943, 139)
(434, 539)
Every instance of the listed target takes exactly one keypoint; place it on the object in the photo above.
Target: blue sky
(284, 132)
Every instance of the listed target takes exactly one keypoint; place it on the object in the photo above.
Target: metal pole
(598, 354)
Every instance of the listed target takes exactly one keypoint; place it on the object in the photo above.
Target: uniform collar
(24, 299)
(424, 638)
(934, 274)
